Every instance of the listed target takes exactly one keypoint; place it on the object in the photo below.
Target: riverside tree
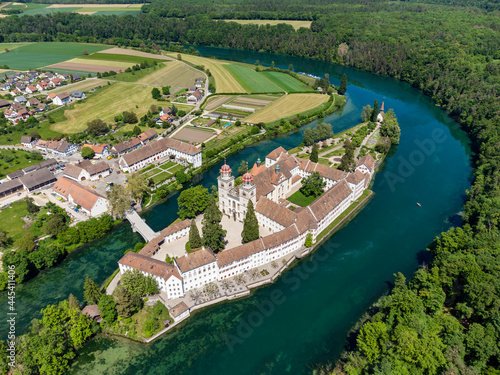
(374, 114)
(250, 225)
(107, 307)
(343, 85)
(194, 236)
(137, 284)
(192, 202)
(313, 185)
(314, 157)
(124, 302)
(91, 291)
(390, 127)
(137, 186)
(366, 113)
(213, 233)
(119, 199)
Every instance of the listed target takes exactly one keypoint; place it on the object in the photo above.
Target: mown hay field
(105, 105)
(296, 24)
(225, 82)
(37, 55)
(174, 74)
(133, 52)
(289, 105)
(287, 82)
(251, 80)
(132, 59)
(84, 86)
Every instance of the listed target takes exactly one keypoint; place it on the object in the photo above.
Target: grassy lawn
(174, 74)
(151, 172)
(167, 165)
(296, 24)
(84, 86)
(200, 121)
(251, 80)
(123, 58)
(295, 150)
(42, 128)
(324, 161)
(224, 80)
(287, 106)
(287, 82)
(338, 152)
(105, 105)
(300, 199)
(36, 55)
(12, 223)
(176, 169)
(350, 209)
(13, 160)
(161, 177)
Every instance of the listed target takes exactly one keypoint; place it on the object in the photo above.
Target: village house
(33, 102)
(31, 89)
(100, 151)
(147, 135)
(28, 142)
(195, 96)
(76, 95)
(90, 202)
(61, 99)
(20, 99)
(60, 148)
(165, 111)
(85, 170)
(54, 82)
(123, 147)
(199, 82)
(156, 150)
(42, 85)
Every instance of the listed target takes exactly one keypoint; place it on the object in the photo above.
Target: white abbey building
(267, 186)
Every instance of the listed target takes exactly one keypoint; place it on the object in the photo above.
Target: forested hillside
(446, 319)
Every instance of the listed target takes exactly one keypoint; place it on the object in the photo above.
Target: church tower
(380, 116)
(225, 182)
(248, 191)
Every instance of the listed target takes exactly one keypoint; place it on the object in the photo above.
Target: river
(303, 319)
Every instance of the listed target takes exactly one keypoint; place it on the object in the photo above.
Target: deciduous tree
(107, 307)
(119, 199)
(87, 153)
(193, 201)
(137, 185)
(313, 185)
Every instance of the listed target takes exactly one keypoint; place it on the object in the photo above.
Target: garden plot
(193, 135)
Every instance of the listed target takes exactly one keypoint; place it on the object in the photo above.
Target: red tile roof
(194, 260)
(152, 266)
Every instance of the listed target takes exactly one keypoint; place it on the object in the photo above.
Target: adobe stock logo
(415, 159)
(293, 280)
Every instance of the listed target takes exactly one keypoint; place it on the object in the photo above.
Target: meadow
(287, 106)
(121, 58)
(105, 105)
(84, 86)
(287, 82)
(252, 81)
(32, 9)
(296, 24)
(224, 80)
(36, 55)
(174, 74)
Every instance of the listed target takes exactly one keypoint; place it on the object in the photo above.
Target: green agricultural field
(10, 46)
(251, 80)
(174, 74)
(287, 82)
(123, 58)
(11, 220)
(14, 160)
(36, 55)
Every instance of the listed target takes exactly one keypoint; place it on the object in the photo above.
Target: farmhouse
(85, 170)
(154, 151)
(91, 203)
(38, 179)
(195, 96)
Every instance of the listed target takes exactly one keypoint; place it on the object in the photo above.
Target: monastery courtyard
(233, 238)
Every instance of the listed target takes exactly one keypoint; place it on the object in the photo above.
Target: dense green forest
(446, 319)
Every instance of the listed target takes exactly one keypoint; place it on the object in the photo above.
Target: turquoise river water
(302, 319)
